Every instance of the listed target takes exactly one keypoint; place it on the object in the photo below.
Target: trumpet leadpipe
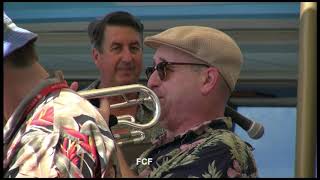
(149, 96)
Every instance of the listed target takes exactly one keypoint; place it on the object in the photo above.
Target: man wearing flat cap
(49, 130)
(195, 70)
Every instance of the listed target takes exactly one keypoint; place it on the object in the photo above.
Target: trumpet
(147, 96)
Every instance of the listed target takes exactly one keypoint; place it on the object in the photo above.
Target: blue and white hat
(14, 37)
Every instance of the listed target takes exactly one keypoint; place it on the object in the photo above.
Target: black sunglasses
(162, 68)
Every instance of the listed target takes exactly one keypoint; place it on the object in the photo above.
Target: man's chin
(163, 124)
(123, 83)
(126, 81)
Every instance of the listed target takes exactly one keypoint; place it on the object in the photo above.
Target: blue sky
(275, 150)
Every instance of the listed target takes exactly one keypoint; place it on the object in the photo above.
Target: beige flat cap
(208, 45)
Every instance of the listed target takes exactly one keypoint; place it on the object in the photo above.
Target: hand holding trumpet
(104, 103)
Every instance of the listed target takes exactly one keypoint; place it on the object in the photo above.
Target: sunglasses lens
(161, 68)
(149, 71)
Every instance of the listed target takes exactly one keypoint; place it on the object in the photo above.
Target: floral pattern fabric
(209, 150)
(64, 136)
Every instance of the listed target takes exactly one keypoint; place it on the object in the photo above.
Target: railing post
(306, 136)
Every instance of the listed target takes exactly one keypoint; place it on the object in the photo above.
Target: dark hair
(24, 56)
(120, 18)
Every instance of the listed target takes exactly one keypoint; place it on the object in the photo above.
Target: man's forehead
(122, 39)
(119, 42)
(121, 30)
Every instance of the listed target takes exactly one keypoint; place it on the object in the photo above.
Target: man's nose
(154, 80)
(127, 56)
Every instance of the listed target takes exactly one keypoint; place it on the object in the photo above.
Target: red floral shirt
(63, 136)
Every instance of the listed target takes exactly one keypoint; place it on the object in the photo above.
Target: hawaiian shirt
(63, 136)
(209, 150)
(132, 151)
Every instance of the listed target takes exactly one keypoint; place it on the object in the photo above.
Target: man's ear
(209, 79)
(95, 56)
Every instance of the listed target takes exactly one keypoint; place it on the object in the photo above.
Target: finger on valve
(74, 86)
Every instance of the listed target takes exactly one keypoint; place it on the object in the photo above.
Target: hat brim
(15, 39)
